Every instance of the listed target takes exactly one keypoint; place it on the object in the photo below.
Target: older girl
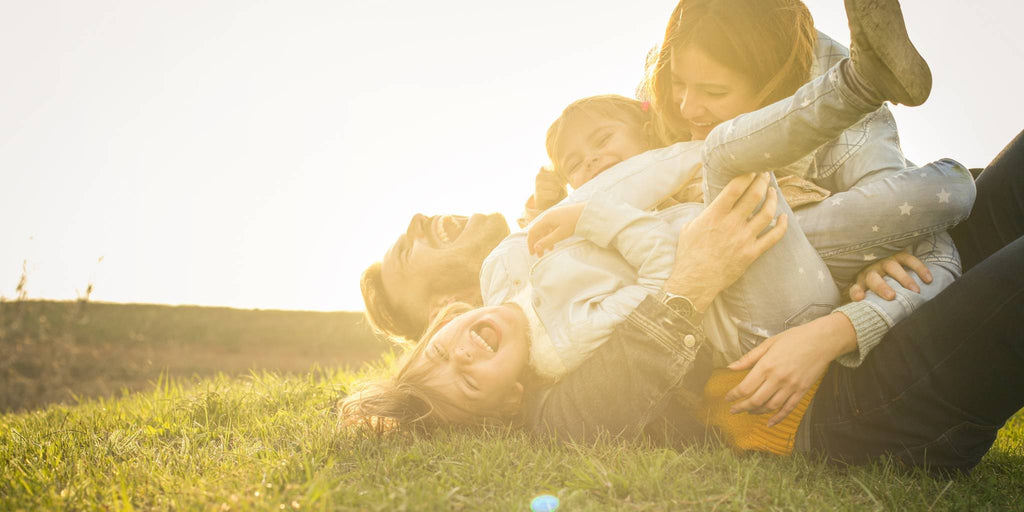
(723, 59)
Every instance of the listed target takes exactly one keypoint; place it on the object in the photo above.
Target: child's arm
(552, 227)
(593, 309)
(548, 190)
(644, 180)
(644, 241)
(873, 316)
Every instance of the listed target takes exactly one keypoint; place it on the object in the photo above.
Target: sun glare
(262, 156)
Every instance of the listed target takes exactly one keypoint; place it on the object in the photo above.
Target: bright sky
(260, 154)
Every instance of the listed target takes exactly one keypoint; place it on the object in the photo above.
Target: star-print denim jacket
(869, 148)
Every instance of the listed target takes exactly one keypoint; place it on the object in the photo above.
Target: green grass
(57, 351)
(270, 442)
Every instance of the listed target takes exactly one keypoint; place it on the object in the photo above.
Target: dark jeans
(934, 392)
(998, 215)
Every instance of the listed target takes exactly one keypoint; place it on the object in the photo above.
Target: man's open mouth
(448, 228)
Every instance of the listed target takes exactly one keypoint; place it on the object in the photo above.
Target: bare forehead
(691, 64)
(584, 122)
(580, 127)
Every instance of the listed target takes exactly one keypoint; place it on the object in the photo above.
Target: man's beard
(457, 276)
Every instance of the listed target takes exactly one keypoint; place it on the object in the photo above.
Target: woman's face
(477, 359)
(707, 92)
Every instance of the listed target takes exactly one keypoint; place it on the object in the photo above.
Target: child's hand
(553, 226)
(548, 189)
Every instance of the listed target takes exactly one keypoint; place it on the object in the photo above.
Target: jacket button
(689, 341)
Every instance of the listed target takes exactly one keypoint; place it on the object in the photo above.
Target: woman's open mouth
(486, 336)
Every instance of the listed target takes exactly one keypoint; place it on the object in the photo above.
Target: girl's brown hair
(404, 398)
(632, 113)
(770, 42)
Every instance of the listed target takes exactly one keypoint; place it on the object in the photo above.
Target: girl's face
(477, 360)
(589, 145)
(707, 92)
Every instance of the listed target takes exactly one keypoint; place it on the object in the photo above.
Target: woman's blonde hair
(405, 399)
(769, 42)
(632, 113)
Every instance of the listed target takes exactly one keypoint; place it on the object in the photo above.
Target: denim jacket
(863, 151)
(641, 381)
(589, 283)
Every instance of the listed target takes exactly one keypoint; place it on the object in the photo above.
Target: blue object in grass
(544, 503)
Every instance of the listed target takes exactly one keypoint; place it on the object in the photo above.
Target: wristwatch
(683, 307)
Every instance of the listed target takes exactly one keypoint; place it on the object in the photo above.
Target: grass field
(271, 441)
(57, 351)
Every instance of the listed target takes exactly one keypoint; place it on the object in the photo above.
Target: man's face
(438, 259)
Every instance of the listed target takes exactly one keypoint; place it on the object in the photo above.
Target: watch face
(681, 305)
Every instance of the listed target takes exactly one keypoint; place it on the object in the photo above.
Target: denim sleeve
(644, 240)
(644, 180)
(652, 362)
(874, 316)
(870, 146)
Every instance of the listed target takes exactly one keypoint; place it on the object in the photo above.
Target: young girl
(476, 363)
(623, 128)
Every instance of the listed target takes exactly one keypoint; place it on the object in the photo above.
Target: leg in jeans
(786, 131)
(942, 382)
(998, 216)
(789, 284)
(885, 214)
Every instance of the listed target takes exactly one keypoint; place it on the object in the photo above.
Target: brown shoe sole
(878, 32)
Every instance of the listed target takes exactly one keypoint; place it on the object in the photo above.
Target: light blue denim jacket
(586, 285)
(870, 150)
(829, 132)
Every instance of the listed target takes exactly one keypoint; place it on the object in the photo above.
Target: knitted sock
(858, 85)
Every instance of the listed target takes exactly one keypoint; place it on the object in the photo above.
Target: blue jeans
(792, 283)
(941, 383)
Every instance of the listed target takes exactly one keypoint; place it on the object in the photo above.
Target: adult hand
(549, 189)
(785, 366)
(871, 276)
(717, 247)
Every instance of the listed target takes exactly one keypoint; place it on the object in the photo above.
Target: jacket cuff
(654, 317)
(870, 326)
(685, 344)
